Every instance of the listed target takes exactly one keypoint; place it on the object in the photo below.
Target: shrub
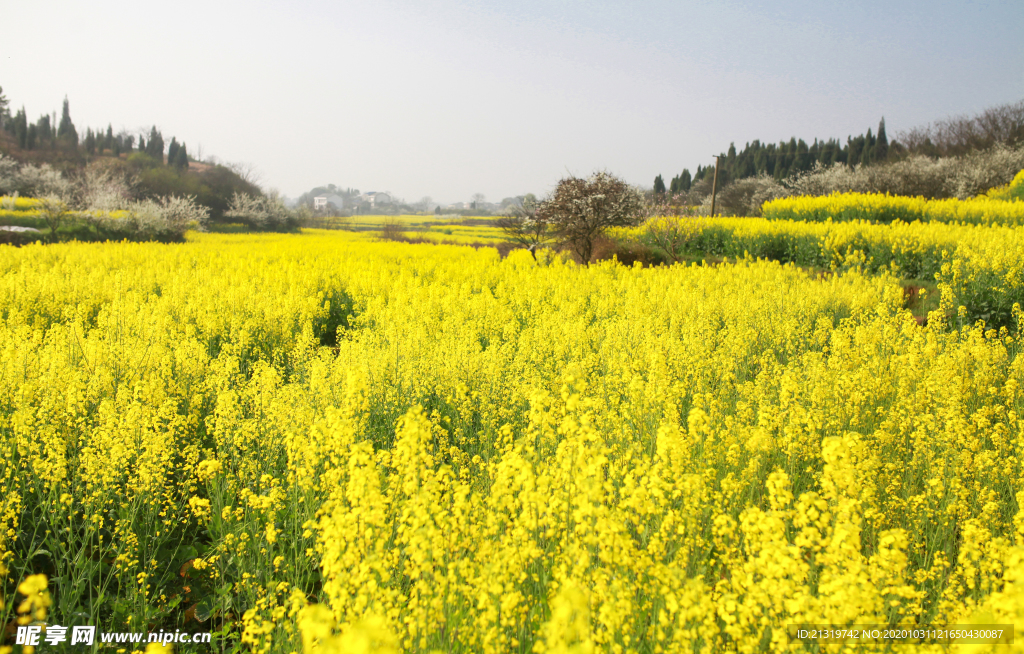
(166, 219)
(392, 230)
(744, 197)
(54, 212)
(8, 176)
(950, 177)
(39, 181)
(102, 188)
(671, 234)
(527, 226)
(261, 212)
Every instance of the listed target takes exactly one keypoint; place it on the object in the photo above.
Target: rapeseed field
(992, 209)
(322, 442)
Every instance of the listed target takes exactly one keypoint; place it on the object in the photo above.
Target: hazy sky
(447, 98)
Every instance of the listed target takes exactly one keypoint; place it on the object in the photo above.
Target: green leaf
(204, 610)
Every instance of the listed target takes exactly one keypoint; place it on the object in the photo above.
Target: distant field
(413, 221)
(444, 228)
(19, 211)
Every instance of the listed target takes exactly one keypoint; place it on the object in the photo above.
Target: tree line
(151, 166)
(787, 159)
(46, 133)
(955, 136)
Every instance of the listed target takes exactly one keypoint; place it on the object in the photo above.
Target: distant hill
(156, 168)
(956, 136)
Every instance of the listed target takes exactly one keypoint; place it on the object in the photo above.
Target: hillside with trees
(954, 157)
(145, 165)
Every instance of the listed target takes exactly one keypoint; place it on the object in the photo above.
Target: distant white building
(375, 199)
(322, 202)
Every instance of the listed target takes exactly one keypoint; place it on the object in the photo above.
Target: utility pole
(714, 184)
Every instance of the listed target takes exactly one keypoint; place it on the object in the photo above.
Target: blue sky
(445, 99)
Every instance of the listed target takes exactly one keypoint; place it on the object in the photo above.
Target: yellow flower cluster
(18, 203)
(875, 207)
(1012, 191)
(976, 266)
(324, 443)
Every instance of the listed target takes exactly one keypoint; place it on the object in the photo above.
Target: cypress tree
(814, 153)
(685, 182)
(760, 162)
(108, 140)
(781, 168)
(882, 144)
(90, 141)
(853, 150)
(659, 185)
(181, 158)
(142, 145)
(865, 155)
(747, 167)
(3, 108)
(45, 130)
(155, 148)
(30, 139)
(66, 130)
(172, 150)
(802, 160)
(21, 129)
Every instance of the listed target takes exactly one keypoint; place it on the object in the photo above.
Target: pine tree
(142, 145)
(45, 129)
(760, 162)
(172, 150)
(881, 152)
(659, 185)
(853, 150)
(685, 182)
(802, 161)
(3, 108)
(108, 140)
(30, 139)
(66, 130)
(180, 158)
(865, 155)
(155, 147)
(90, 141)
(21, 129)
